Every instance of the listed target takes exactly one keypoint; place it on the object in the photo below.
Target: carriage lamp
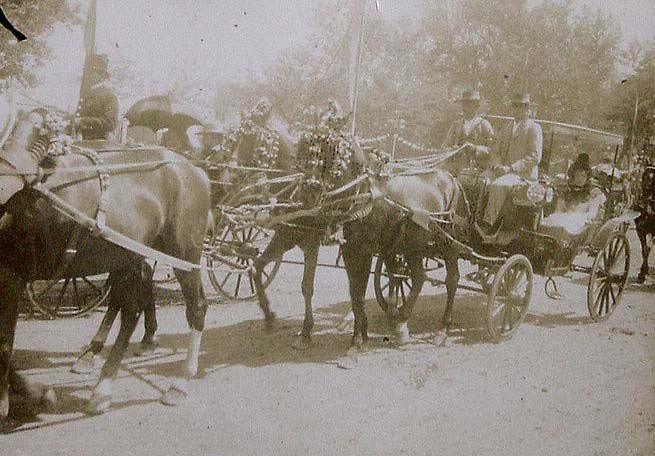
(536, 193)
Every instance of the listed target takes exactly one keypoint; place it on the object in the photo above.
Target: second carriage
(597, 246)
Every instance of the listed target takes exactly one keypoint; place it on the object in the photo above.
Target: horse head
(18, 156)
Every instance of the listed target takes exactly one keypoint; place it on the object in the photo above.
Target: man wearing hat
(97, 113)
(471, 128)
(515, 157)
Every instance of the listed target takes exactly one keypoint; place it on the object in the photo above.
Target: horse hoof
(270, 322)
(402, 334)
(302, 343)
(174, 396)
(8, 425)
(84, 365)
(347, 362)
(98, 404)
(440, 339)
(42, 395)
(146, 349)
(49, 398)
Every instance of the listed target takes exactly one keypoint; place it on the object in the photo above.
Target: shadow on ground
(248, 343)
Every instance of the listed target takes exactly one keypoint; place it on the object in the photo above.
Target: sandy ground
(561, 386)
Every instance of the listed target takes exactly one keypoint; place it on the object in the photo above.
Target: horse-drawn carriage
(253, 193)
(531, 247)
(252, 202)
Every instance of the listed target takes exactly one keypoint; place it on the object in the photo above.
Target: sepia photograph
(327, 227)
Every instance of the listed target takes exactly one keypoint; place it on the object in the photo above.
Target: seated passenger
(580, 205)
(514, 158)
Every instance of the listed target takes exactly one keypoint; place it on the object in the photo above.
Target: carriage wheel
(509, 297)
(609, 275)
(394, 286)
(242, 245)
(69, 297)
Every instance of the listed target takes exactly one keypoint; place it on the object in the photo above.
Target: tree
(33, 19)
(637, 89)
(566, 61)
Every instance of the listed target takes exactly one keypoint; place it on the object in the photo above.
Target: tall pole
(633, 136)
(358, 63)
(89, 42)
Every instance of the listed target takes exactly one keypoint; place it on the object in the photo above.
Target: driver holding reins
(471, 128)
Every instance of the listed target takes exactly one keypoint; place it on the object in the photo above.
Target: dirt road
(561, 386)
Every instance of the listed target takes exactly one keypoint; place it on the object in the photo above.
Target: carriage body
(601, 240)
(600, 248)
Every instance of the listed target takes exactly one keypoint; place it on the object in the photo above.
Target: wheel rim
(608, 278)
(509, 297)
(69, 297)
(394, 290)
(242, 246)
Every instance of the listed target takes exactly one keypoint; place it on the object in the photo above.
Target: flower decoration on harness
(52, 139)
(325, 151)
(252, 143)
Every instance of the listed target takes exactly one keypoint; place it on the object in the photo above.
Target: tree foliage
(33, 18)
(637, 88)
(566, 60)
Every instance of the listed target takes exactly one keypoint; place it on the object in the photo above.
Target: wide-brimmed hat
(521, 99)
(470, 95)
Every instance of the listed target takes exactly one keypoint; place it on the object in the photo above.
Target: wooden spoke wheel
(509, 297)
(69, 297)
(609, 275)
(394, 285)
(241, 245)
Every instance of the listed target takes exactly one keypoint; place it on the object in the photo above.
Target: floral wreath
(51, 131)
(325, 151)
(252, 124)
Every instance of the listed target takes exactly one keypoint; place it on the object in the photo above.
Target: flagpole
(357, 71)
(89, 42)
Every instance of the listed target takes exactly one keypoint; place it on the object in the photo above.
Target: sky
(165, 40)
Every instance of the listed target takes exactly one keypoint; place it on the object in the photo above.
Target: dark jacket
(98, 113)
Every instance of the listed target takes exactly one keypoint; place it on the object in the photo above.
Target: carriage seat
(567, 224)
(564, 225)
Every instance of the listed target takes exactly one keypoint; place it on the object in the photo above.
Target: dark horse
(389, 231)
(645, 223)
(162, 206)
(385, 230)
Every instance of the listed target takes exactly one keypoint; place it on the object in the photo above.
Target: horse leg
(415, 263)
(196, 308)
(84, 363)
(125, 295)
(645, 252)
(310, 251)
(278, 246)
(358, 267)
(452, 281)
(10, 286)
(148, 343)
